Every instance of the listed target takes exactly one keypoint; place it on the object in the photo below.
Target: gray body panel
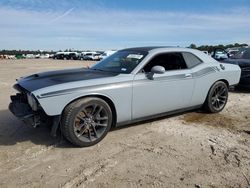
(134, 95)
(160, 92)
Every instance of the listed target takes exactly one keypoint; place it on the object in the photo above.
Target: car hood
(46, 79)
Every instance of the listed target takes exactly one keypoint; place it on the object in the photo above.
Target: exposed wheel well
(222, 80)
(225, 81)
(106, 99)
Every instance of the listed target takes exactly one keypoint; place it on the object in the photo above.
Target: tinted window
(191, 60)
(170, 61)
(246, 54)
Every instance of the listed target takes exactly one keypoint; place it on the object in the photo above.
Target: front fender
(120, 94)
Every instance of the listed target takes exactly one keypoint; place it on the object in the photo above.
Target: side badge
(222, 67)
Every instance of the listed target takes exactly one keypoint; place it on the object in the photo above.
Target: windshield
(244, 53)
(121, 62)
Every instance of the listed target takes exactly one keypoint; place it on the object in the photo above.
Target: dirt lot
(187, 150)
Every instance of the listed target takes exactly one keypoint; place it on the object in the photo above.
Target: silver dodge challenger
(131, 85)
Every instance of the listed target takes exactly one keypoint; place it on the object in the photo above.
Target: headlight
(32, 101)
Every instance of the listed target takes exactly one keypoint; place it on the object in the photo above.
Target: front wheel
(87, 121)
(217, 97)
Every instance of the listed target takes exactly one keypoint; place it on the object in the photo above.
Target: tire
(87, 121)
(217, 97)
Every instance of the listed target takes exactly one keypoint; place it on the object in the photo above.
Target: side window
(170, 61)
(191, 59)
(246, 54)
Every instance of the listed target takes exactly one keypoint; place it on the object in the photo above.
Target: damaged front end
(26, 107)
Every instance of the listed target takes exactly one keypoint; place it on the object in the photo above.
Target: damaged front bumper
(20, 107)
(22, 110)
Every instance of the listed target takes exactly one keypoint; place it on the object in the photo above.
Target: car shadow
(142, 122)
(239, 89)
(14, 131)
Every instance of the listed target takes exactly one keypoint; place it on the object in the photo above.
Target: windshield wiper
(103, 70)
(98, 70)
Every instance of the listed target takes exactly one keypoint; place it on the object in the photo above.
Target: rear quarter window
(191, 59)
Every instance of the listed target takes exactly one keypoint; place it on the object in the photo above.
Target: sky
(114, 24)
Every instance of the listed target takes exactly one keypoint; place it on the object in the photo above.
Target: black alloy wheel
(217, 97)
(86, 121)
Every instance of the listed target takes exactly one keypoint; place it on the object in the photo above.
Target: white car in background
(30, 56)
(44, 56)
(94, 56)
(219, 54)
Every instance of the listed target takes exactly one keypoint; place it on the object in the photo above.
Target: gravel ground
(191, 149)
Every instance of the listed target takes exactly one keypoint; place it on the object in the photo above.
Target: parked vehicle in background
(11, 57)
(131, 85)
(2, 56)
(86, 55)
(96, 57)
(232, 51)
(242, 58)
(92, 56)
(20, 56)
(66, 55)
(44, 56)
(51, 56)
(107, 53)
(59, 55)
(30, 56)
(219, 54)
(72, 56)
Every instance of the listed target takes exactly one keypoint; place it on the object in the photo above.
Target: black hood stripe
(46, 79)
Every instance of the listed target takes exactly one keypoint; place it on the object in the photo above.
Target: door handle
(188, 75)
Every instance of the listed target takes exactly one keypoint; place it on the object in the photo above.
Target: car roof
(145, 48)
(157, 49)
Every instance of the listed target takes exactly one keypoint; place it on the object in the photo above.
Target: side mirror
(158, 69)
(155, 70)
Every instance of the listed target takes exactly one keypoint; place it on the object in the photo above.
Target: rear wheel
(217, 97)
(86, 121)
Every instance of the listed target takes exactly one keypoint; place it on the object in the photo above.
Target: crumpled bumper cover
(23, 111)
(20, 110)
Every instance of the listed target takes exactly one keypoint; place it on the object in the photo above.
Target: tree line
(19, 52)
(211, 48)
(35, 52)
(208, 48)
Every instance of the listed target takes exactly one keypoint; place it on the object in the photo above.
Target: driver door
(165, 92)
